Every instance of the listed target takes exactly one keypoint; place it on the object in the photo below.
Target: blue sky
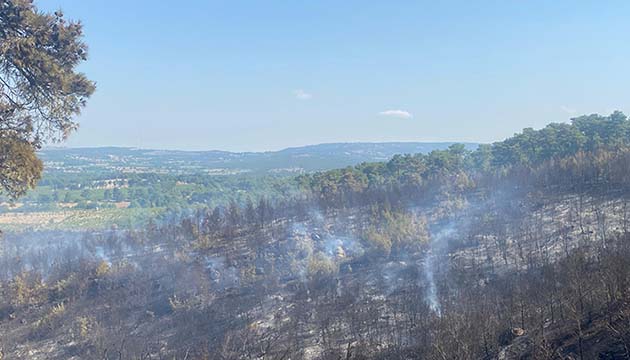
(264, 75)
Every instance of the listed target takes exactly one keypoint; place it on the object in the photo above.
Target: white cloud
(568, 110)
(302, 95)
(401, 114)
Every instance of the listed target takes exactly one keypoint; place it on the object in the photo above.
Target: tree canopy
(41, 89)
(454, 166)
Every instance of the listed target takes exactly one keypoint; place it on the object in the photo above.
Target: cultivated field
(75, 219)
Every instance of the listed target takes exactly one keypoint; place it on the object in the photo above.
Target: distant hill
(290, 160)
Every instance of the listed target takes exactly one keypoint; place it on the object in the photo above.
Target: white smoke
(437, 245)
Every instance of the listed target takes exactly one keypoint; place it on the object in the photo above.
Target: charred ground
(517, 250)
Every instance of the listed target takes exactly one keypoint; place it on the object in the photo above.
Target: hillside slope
(517, 250)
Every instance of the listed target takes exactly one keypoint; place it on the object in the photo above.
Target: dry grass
(71, 219)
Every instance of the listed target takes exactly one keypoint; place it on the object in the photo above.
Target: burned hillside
(451, 255)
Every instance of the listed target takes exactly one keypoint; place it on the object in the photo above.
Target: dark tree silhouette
(40, 90)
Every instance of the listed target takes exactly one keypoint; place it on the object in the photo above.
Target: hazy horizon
(277, 75)
(63, 146)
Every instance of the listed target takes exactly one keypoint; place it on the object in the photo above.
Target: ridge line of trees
(458, 169)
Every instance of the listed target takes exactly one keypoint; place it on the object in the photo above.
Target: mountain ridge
(301, 159)
(286, 149)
